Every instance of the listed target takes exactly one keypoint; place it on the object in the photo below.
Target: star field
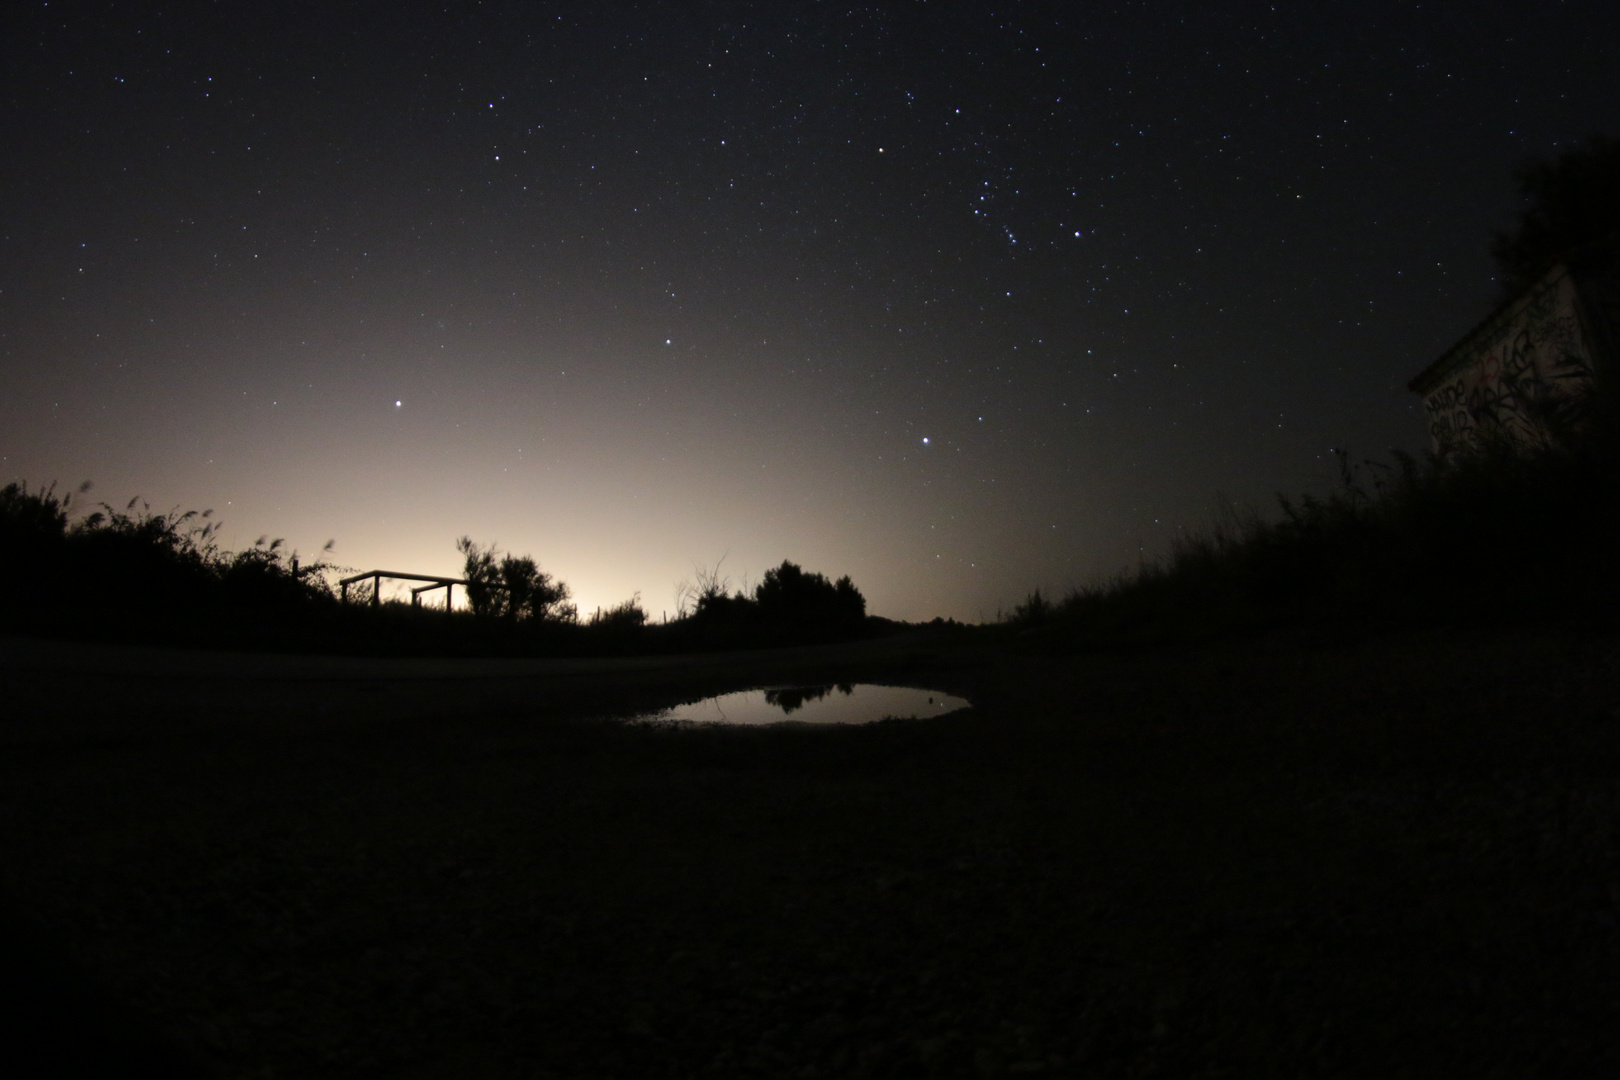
(957, 301)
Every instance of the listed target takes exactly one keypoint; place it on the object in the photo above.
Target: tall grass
(138, 571)
(1502, 532)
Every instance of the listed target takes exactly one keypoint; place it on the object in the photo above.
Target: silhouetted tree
(1574, 201)
(790, 595)
(512, 587)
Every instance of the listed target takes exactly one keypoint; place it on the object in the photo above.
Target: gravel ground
(1386, 856)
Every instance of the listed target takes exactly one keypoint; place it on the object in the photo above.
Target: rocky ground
(1390, 855)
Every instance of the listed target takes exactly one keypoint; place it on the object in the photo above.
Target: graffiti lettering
(1519, 382)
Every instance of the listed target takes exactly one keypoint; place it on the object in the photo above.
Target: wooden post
(449, 595)
(376, 591)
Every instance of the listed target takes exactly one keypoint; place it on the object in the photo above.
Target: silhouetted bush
(29, 518)
(137, 573)
(790, 596)
(1034, 611)
(513, 587)
(629, 615)
(789, 606)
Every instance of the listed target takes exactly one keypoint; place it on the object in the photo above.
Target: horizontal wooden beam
(409, 577)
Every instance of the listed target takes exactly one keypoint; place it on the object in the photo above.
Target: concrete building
(1533, 362)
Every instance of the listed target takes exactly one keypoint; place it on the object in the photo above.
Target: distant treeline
(161, 578)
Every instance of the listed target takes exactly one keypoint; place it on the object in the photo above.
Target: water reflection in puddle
(860, 703)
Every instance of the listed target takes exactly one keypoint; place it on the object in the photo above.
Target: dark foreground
(1394, 857)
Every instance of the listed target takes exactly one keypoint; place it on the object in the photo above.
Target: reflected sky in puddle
(861, 703)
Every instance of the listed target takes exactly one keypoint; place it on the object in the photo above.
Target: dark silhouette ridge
(1501, 534)
(160, 578)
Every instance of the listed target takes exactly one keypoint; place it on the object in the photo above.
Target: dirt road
(1394, 855)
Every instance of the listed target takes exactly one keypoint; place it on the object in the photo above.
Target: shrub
(626, 616)
(513, 587)
(160, 573)
(789, 595)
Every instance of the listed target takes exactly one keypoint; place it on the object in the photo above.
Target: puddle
(860, 703)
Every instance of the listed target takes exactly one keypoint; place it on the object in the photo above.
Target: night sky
(956, 299)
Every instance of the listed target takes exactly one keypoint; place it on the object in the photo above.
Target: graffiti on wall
(1517, 382)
